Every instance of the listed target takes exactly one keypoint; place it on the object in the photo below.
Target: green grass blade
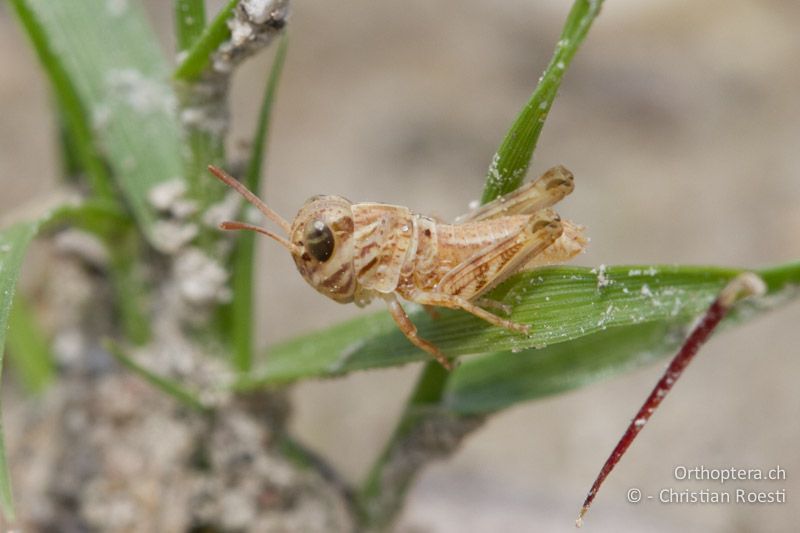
(495, 381)
(190, 20)
(110, 57)
(73, 112)
(97, 217)
(129, 286)
(242, 312)
(199, 56)
(511, 162)
(6, 495)
(13, 243)
(69, 152)
(255, 164)
(28, 347)
(166, 385)
(561, 303)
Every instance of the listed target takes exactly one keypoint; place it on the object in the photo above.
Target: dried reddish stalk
(740, 287)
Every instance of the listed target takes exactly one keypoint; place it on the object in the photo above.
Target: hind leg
(457, 302)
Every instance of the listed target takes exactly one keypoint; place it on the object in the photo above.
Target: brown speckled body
(396, 250)
(354, 252)
(386, 251)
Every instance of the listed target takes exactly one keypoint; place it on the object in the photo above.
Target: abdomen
(442, 247)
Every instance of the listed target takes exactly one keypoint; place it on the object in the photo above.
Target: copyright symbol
(634, 495)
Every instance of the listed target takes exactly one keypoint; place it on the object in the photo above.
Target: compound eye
(318, 240)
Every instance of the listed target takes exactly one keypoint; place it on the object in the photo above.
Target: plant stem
(206, 145)
(742, 286)
(425, 432)
(304, 457)
(427, 392)
(203, 93)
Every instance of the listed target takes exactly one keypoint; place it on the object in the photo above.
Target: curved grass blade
(510, 163)
(13, 243)
(241, 321)
(164, 384)
(199, 55)
(492, 382)
(97, 217)
(561, 303)
(495, 381)
(29, 348)
(190, 20)
(78, 130)
(106, 66)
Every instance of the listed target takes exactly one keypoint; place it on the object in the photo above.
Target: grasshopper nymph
(354, 252)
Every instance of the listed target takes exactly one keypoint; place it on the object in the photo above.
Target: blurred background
(681, 122)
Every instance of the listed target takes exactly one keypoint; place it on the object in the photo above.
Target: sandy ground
(681, 123)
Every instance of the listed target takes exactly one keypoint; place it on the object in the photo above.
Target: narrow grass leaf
(78, 136)
(13, 243)
(561, 303)
(166, 385)
(110, 66)
(199, 55)
(190, 20)
(100, 218)
(243, 259)
(28, 347)
(510, 163)
(492, 382)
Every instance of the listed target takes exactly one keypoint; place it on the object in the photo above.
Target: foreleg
(410, 331)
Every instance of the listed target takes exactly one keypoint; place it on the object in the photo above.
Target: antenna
(233, 183)
(234, 225)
